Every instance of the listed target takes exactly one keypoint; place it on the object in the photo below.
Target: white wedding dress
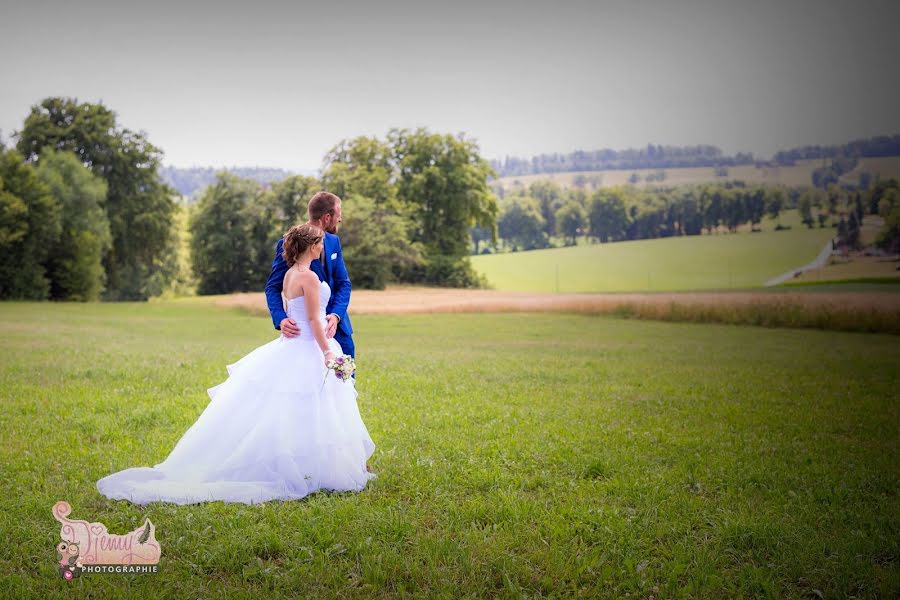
(279, 428)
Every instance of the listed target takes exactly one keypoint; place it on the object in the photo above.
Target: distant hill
(694, 262)
(651, 157)
(801, 173)
(189, 181)
(875, 147)
(687, 157)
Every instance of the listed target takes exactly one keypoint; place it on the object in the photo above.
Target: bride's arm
(311, 291)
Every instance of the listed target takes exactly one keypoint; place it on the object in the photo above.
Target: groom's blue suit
(334, 272)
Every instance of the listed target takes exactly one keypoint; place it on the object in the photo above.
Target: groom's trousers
(346, 343)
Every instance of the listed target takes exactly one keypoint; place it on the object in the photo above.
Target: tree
(755, 206)
(481, 234)
(570, 220)
(442, 180)
(775, 199)
(376, 244)
(75, 261)
(835, 197)
(222, 244)
(691, 215)
(550, 197)
(29, 227)
(842, 231)
(522, 224)
(734, 208)
(877, 192)
(362, 166)
(435, 183)
(804, 205)
(853, 238)
(713, 201)
(271, 214)
(889, 209)
(287, 201)
(607, 217)
(139, 206)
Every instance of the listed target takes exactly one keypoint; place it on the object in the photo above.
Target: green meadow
(718, 261)
(518, 455)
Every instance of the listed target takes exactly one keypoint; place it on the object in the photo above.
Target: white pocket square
(333, 255)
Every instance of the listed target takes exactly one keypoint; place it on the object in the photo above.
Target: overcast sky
(278, 83)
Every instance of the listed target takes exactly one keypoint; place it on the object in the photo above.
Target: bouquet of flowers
(343, 367)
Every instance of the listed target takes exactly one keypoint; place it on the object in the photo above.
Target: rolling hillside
(799, 174)
(721, 261)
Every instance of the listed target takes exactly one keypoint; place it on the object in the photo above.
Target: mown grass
(721, 261)
(518, 455)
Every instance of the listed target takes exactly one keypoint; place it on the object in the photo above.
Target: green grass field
(738, 260)
(518, 455)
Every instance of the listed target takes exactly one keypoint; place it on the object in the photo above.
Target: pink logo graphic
(90, 548)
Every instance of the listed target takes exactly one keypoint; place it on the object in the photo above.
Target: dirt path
(409, 300)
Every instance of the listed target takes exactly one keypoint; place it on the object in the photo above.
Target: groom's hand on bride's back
(289, 327)
(332, 321)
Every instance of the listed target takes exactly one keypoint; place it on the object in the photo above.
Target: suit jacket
(334, 272)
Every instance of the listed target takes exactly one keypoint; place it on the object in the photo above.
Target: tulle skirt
(279, 428)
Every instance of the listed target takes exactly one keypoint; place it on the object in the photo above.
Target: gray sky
(279, 83)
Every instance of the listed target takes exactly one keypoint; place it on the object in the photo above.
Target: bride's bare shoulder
(308, 277)
(296, 280)
(304, 280)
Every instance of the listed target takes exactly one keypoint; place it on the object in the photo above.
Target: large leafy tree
(804, 206)
(362, 166)
(607, 216)
(223, 252)
(522, 224)
(444, 180)
(570, 221)
(376, 243)
(75, 261)
(269, 214)
(889, 209)
(550, 199)
(287, 200)
(435, 184)
(29, 228)
(139, 206)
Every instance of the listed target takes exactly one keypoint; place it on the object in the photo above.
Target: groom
(325, 213)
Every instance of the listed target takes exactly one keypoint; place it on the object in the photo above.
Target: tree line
(408, 201)
(85, 213)
(882, 145)
(531, 218)
(884, 200)
(651, 157)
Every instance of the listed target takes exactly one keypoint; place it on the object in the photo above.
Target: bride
(280, 427)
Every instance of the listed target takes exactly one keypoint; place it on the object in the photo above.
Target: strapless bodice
(296, 309)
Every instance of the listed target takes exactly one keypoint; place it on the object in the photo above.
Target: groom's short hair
(321, 204)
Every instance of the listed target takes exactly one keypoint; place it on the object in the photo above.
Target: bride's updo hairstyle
(297, 240)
